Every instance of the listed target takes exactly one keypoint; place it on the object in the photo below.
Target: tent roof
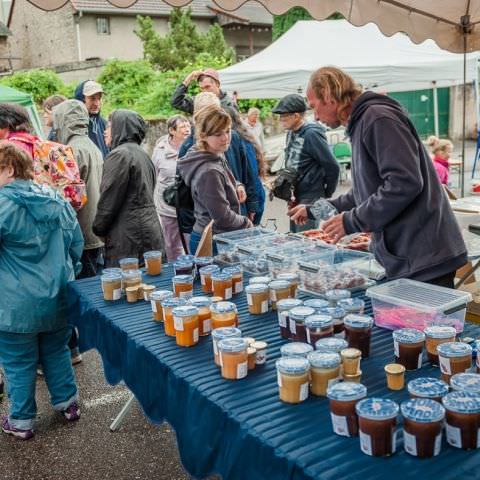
(379, 62)
(9, 94)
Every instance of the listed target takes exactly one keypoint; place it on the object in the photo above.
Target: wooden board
(205, 246)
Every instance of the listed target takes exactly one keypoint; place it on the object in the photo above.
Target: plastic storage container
(408, 303)
(226, 242)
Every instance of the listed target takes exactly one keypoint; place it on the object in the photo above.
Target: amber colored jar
(257, 298)
(351, 360)
(128, 264)
(252, 354)
(153, 262)
(223, 314)
(112, 286)
(454, 357)
(183, 286)
(324, 371)
(185, 323)
(131, 278)
(408, 347)
(355, 377)
(132, 294)
(293, 379)
(222, 285)
(279, 290)
(233, 358)
(294, 280)
(204, 314)
(167, 306)
(261, 352)
(206, 277)
(147, 291)
(436, 335)
(395, 376)
(237, 278)
(156, 299)
(283, 310)
(343, 398)
(358, 331)
(220, 334)
(140, 291)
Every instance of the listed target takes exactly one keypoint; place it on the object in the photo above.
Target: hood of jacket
(70, 118)
(193, 160)
(366, 100)
(127, 127)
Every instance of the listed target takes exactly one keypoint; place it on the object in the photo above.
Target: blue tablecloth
(240, 429)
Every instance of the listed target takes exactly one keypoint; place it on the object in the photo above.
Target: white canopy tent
(375, 61)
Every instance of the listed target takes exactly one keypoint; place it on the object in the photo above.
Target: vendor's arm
(182, 101)
(344, 202)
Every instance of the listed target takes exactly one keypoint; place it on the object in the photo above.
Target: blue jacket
(96, 126)
(40, 248)
(253, 162)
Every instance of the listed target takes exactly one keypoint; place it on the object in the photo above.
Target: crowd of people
(133, 202)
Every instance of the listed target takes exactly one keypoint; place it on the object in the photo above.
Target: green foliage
(265, 105)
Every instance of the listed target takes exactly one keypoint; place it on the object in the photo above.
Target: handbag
(283, 186)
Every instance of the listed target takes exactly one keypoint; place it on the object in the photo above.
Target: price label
(154, 306)
(178, 323)
(454, 436)
(445, 365)
(117, 294)
(293, 326)
(228, 293)
(396, 348)
(339, 424)
(303, 392)
(239, 287)
(365, 443)
(242, 370)
(265, 306)
(195, 335)
(282, 319)
(410, 443)
(207, 325)
(249, 299)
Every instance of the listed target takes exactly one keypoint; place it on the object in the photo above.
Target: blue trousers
(20, 355)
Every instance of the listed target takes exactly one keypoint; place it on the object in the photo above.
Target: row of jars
(115, 281)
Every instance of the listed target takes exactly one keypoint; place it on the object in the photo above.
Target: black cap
(293, 103)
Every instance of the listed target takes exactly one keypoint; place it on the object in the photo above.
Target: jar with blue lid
(206, 277)
(331, 345)
(185, 323)
(358, 331)
(183, 267)
(422, 427)
(221, 333)
(283, 313)
(377, 421)
(466, 382)
(222, 284)
(201, 262)
(324, 371)
(204, 315)
(436, 335)
(454, 357)
(427, 387)
(297, 322)
(279, 290)
(233, 358)
(168, 305)
(338, 314)
(294, 280)
(295, 349)
(333, 296)
(316, 303)
(265, 279)
(462, 419)
(236, 271)
(408, 347)
(352, 305)
(156, 299)
(317, 327)
(224, 314)
(293, 379)
(185, 258)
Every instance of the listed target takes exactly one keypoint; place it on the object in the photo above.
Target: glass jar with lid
(167, 306)
(206, 277)
(223, 314)
(222, 284)
(294, 280)
(316, 303)
(156, 299)
(283, 309)
(128, 263)
(427, 387)
(153, 262)
(237, 278)
(112, 286)
(257, 298)
(279, 290)
(219, 334)
(466, 382)
(317, 327)
(183, 267)
(408, 347)
(338, 314)
(436, 335)
(183, 286)
(454, 357)
(352, 305)
(204, 314)
(333, 296)
(131, 278)
(324, 371)
(293, 379)
(185, 322)
(331, 345)
(296, 349)
(358, 330)
(233, 358)
(297, 318)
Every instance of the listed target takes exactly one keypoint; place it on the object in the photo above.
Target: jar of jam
(333, 296)
(377, 421)
(293, 379)
(128, 264)
(466, 382)
(183, 267)
(263, 280)
(220, 334)
(283, 309)
(324, 371)
(185, 258)
(316, 303)
(408, 347)
(204, 314)
(237, 278)
(351, 360)
(279, 290)
(206, 277)
(257, 298)
(297, 318)
(343, 398)
(183, 286)
(358, 330)
(132, 278)
(352, 305)
(222, 284)
(454, 357)
(233, 358)
(422, 427)
(331, 345)
(296, 349)
(167, 306)
(223, 314)
(462, 419)
(294, 280)
(434, 336)
(427, 387)
(153, 262)
(185, 322)
(338, 314)
(317, 327)
(156, 299)
(201, 262)
(395, 376)
(112, 286)
(260, 352)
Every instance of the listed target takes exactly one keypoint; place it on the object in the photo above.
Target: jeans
(195, 240)
(20, 354)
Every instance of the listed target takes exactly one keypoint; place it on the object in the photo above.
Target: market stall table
(240, 429)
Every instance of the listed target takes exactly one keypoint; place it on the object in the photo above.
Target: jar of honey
(156, 299)
(434, 336)
(338, 314)
(427, 387)
(331, 345)
(317, 327)
(167, 306)
(324, 371)
(395, 376)
(279, 290)
(283, 308)
(352, 305)
(222, 285)
(294, 280)
(220, 334)
(466, 382)
(185, 323)
(358, 331)
(204, 314)
(183, 267)
(351, 360)
(223, 314)
(296, 349)
(293, 379)
(408, 347)
(183, 286)
(112, 286)
(237, 278)
(264, 280)
(257, 298)
(233, 358)
(128, 264)
(153, 262)
(132, 294)
(132, 278)
(297, 318)
(454, 357)
(206, 277)
(335, 295)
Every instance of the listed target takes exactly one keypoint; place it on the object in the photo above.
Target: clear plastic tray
(355, 259)
(227, 241)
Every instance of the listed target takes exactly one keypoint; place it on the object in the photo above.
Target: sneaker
(16, 432)
(76, 358)
(72, 412)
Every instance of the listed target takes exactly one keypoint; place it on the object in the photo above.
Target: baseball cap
(292, 103)
(91, 88)
(210, 72)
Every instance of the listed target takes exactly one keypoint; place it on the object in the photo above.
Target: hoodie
(96, 125)
(40, 248)
(213, 191)
(70, 122)
(396, 194)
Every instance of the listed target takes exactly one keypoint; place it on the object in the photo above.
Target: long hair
(210, 120)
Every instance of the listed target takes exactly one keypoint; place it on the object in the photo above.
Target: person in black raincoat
(126, 216)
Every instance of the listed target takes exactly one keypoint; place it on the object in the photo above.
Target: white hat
(91, 88)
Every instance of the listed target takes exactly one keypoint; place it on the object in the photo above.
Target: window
(103, 25)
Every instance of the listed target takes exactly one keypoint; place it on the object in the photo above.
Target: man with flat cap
(307, 153)
(208, 81)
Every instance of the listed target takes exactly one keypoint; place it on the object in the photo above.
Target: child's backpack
(55, 165)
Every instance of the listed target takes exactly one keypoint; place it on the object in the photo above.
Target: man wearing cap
(208, 81)
(91, 93)
(307, 153)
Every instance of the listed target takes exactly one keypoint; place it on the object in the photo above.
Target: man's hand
(191, 77)
(334, 227)
(241, 193)
(298, 214)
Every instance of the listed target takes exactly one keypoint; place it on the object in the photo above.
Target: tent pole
(462, 169)
(435, 109)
